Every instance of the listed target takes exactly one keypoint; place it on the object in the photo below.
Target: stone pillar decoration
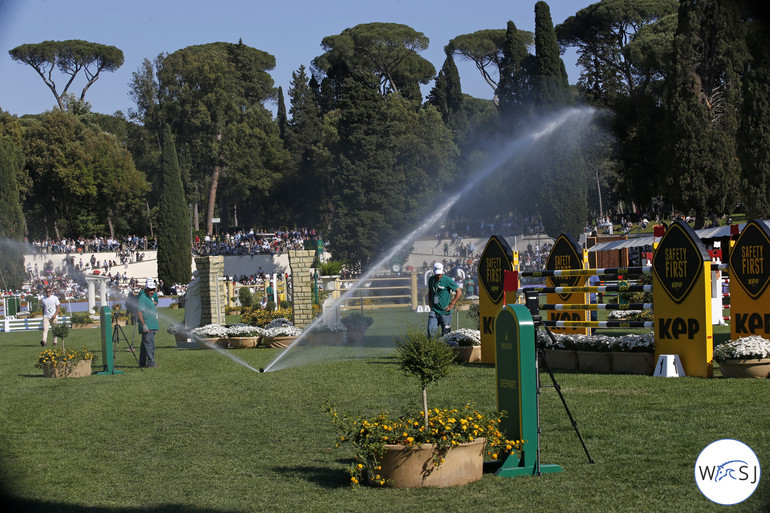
(103, 291)
(90, 286)
(300, 262)
(211, 270)
(91, 282)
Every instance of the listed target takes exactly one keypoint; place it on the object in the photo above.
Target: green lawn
(201, 433)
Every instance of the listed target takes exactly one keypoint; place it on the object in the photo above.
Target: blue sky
(289, 30)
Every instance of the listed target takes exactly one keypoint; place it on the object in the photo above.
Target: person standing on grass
(51, 309)
(441, 300)
(147, 317)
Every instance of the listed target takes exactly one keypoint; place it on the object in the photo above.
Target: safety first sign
(681, 269)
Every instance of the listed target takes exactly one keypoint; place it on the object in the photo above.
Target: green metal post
(105, 317)
(517, 375)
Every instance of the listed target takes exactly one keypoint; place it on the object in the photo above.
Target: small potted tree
(438, 448)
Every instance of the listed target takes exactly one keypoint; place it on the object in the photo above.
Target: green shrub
(331, 267)
(245, 297)
(81, 318)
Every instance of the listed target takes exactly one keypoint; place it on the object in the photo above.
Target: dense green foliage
(82, 179)
(357, 153)
(11, 217)
(704, 98)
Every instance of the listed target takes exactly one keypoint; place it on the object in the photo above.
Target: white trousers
(47, 323)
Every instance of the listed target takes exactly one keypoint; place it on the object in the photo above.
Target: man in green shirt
(441, 300)
(147, 317)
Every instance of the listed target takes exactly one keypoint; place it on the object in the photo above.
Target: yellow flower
(359, 466)
(354, 480)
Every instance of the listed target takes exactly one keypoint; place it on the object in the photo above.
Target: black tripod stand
(117, 334)
(533, 305)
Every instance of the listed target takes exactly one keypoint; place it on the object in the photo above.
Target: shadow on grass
(34, 506)
(9, 503)
(321, 476)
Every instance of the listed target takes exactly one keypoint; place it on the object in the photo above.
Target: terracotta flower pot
(745, 368)
(469, 354)
(206, 343)
(413, 467)
(278, 341)
(77, 370)
(243, 342)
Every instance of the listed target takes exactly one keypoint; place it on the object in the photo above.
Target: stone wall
(300, 262)
(211, 270)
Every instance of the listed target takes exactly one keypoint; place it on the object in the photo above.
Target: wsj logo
(752, 323)
(727, 471)
(737, 470)
(676, 327)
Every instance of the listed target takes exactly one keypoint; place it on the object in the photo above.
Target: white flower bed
(332, 327)
(746, 348)
(244, 331)
(282, 331)
(210, 331)
(622, 314)
(628, 343)
(463, 337)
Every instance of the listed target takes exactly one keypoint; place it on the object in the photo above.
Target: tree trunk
(112, 230)
(212, 199)
(196, 219)
(149, 216)
(599, 188)
(425, 405)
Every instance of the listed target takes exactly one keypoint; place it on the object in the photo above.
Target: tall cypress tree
(551, 83)
(281, 118)
(511, 90)
(11, 216)
(303, 132)
(173, 220)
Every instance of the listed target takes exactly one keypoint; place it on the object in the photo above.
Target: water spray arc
(544, 129)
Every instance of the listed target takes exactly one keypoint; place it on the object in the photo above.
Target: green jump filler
(517, 375)
(108, 355)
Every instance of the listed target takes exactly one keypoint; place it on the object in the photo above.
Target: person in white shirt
(51, 309)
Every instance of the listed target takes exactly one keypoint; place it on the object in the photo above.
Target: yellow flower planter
(74, 370)
(413, 467)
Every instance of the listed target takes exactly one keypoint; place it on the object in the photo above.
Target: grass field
(201, 433)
